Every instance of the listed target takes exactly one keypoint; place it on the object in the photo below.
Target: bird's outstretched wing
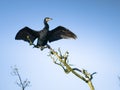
(60, 33)
(27, 34)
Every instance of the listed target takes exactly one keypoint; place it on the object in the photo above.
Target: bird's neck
(46, 25)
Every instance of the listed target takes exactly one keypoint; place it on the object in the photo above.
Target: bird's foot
(41, 47)
(36, 46)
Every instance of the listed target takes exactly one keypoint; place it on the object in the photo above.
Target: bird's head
(47, 19)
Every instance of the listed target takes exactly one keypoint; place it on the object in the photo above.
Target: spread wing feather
(26, 32)
(60, 33)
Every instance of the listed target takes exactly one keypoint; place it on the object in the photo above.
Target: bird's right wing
(27, 34)
(60, 32)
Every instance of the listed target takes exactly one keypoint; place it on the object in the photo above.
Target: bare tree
(21, 83)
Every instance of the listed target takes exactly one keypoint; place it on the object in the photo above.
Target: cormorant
(44, 35)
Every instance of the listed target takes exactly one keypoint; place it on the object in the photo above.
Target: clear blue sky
(97, 49)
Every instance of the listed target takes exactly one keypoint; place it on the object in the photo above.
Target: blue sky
(97, 49)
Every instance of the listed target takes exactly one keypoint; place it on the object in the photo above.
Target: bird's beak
(48, 19)
(51, 19)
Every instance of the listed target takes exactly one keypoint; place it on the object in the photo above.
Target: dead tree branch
(62, 60)
(20, 83)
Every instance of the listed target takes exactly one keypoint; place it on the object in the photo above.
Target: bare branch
(62, 60)
(20, 83)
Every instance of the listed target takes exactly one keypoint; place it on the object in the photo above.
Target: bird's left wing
(27, 34)
(60, 32)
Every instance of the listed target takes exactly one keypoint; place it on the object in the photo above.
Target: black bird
(44, 35)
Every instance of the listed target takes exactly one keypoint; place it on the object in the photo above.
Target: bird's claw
(41, 47)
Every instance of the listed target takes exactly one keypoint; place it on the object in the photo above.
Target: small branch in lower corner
(21, 83)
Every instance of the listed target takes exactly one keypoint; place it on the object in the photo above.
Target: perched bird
(44, 35)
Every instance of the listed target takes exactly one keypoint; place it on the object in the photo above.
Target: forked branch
(20, 83)
(62, 60)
